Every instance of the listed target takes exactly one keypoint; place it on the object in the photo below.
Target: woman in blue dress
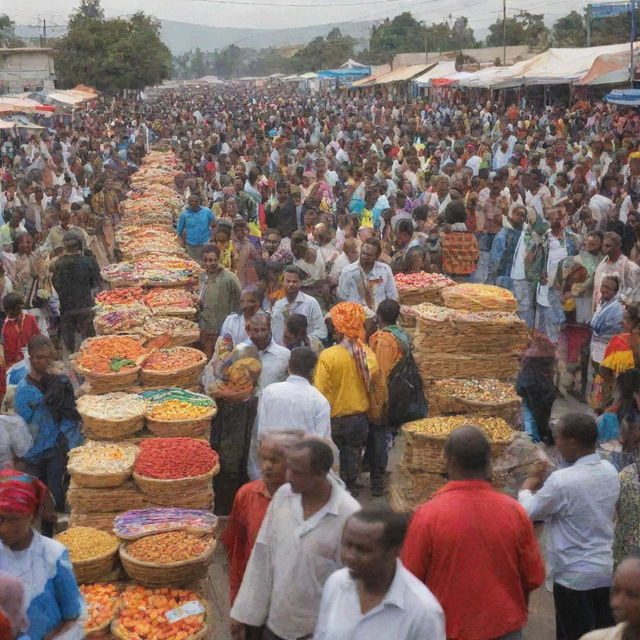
(54, 606)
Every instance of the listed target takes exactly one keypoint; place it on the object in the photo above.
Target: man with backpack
(405, 395)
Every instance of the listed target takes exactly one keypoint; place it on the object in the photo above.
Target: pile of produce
(144, 522)
(421, 280)
(136, 242)
(123, 296)
(102, 458)
(120, 320)
(161, 301)
(495, 428)
(110, 354)
(485, 390)
(102, 605)
(179, 329)
(173, 458)
(153, 268)
(172, 359)
(86, 543)
(479, 297)
(144, 615)
(112, 406)
(165, 548)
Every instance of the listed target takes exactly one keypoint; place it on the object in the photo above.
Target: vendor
(53, 603)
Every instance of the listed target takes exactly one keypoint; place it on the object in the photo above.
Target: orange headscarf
(348, 319)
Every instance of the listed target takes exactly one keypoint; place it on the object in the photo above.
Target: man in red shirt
(475, 547)
(19, 327)
(251, 503)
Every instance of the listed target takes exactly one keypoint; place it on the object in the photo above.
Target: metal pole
(588, 25)
(504, 32)
(634, 19)
(44, 32)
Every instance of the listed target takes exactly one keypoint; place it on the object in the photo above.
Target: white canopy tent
(441, 70)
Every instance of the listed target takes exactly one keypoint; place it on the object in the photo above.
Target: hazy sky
(267, 13)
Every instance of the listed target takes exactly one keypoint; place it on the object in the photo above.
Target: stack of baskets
(422, 467)
(186, 377)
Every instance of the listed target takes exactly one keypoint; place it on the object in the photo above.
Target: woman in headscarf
(53, 603)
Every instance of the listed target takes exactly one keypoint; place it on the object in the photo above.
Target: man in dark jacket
(283, 215)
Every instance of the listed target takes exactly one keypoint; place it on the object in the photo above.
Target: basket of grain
(173, 367)
(93, 553)
(176, 412)
(424, 439)
(101, 464)
(175, 558)
(112, 415)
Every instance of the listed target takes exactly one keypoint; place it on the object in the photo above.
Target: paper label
(191, 608)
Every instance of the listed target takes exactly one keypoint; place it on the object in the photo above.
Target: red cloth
(476, 551)
(249, 507)
(20, 493)
(16, 333)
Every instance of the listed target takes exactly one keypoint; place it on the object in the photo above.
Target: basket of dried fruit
(167, 468)
(102, 607)
(175, 558)
(172, 367)
(423, 449)
(100, 465)
(176, 412)
(93, 553)
(112, 415)
(415, 288)
(180, 331)
(110, 363)
(170, 614)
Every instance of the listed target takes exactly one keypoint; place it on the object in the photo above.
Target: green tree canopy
(113, 54)
(569, 31)
(523, 28)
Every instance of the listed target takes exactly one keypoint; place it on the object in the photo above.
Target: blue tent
(628, 97)
(360, 72)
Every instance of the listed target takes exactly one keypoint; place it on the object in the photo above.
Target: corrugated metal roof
(403, 73)
(364, 82)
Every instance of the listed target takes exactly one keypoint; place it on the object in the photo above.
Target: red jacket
(476, 551)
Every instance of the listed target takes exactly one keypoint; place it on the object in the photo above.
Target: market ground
(541, 612)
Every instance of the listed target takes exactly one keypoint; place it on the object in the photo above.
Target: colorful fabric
(626, 535)
(239, 380)
(16, 334)
(20, 493)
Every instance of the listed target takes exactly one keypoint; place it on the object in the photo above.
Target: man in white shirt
(296, 403)
(374, 596)
(367, 282)
(295, 301)
(577, 504)
(297, 549)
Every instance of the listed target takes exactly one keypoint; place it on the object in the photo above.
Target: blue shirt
(43, 427)
(197, 224)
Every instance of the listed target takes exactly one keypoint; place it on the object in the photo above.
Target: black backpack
(407, 401)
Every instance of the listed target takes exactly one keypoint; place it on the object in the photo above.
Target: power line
(294, 4)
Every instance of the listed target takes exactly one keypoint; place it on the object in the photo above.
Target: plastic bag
(518, 460)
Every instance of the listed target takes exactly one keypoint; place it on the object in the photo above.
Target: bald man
(474, 547)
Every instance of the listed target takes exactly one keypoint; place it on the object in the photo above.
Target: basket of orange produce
(102, 601)
(173, 367)
(110, 363)
(170, 614)
(177, 412)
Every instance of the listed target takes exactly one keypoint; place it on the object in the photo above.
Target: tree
(569, 31)
(196, 65)
(7, 31)
(323, 53)
(524, 28)
(113, 54)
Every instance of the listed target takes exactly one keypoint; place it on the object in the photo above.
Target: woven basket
(184, 377)
(108, 382)
(170, 489)
(123, 498)
(98, 520)
(98, 632)
(174, 574)
(100, 480)
(190, 500)
(111, 429)
(407, 321)
(444, 404)
(176, 312)
(437, 366)
(95, 570)
(121, 634)
(420, 295)
(189, 427)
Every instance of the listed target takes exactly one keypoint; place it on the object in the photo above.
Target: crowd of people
(301, 208)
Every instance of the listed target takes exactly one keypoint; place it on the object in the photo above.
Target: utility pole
(588, 25)
(504, 32)
(634, 20)
(44, 32)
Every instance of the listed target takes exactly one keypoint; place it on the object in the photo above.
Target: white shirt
(341, 262)
(290, 562)
(303, 304)
(578, 504)
(234, 326)
(294, 404)
(379, 280)
(275, 361)
(408, 611)
(15, 439)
